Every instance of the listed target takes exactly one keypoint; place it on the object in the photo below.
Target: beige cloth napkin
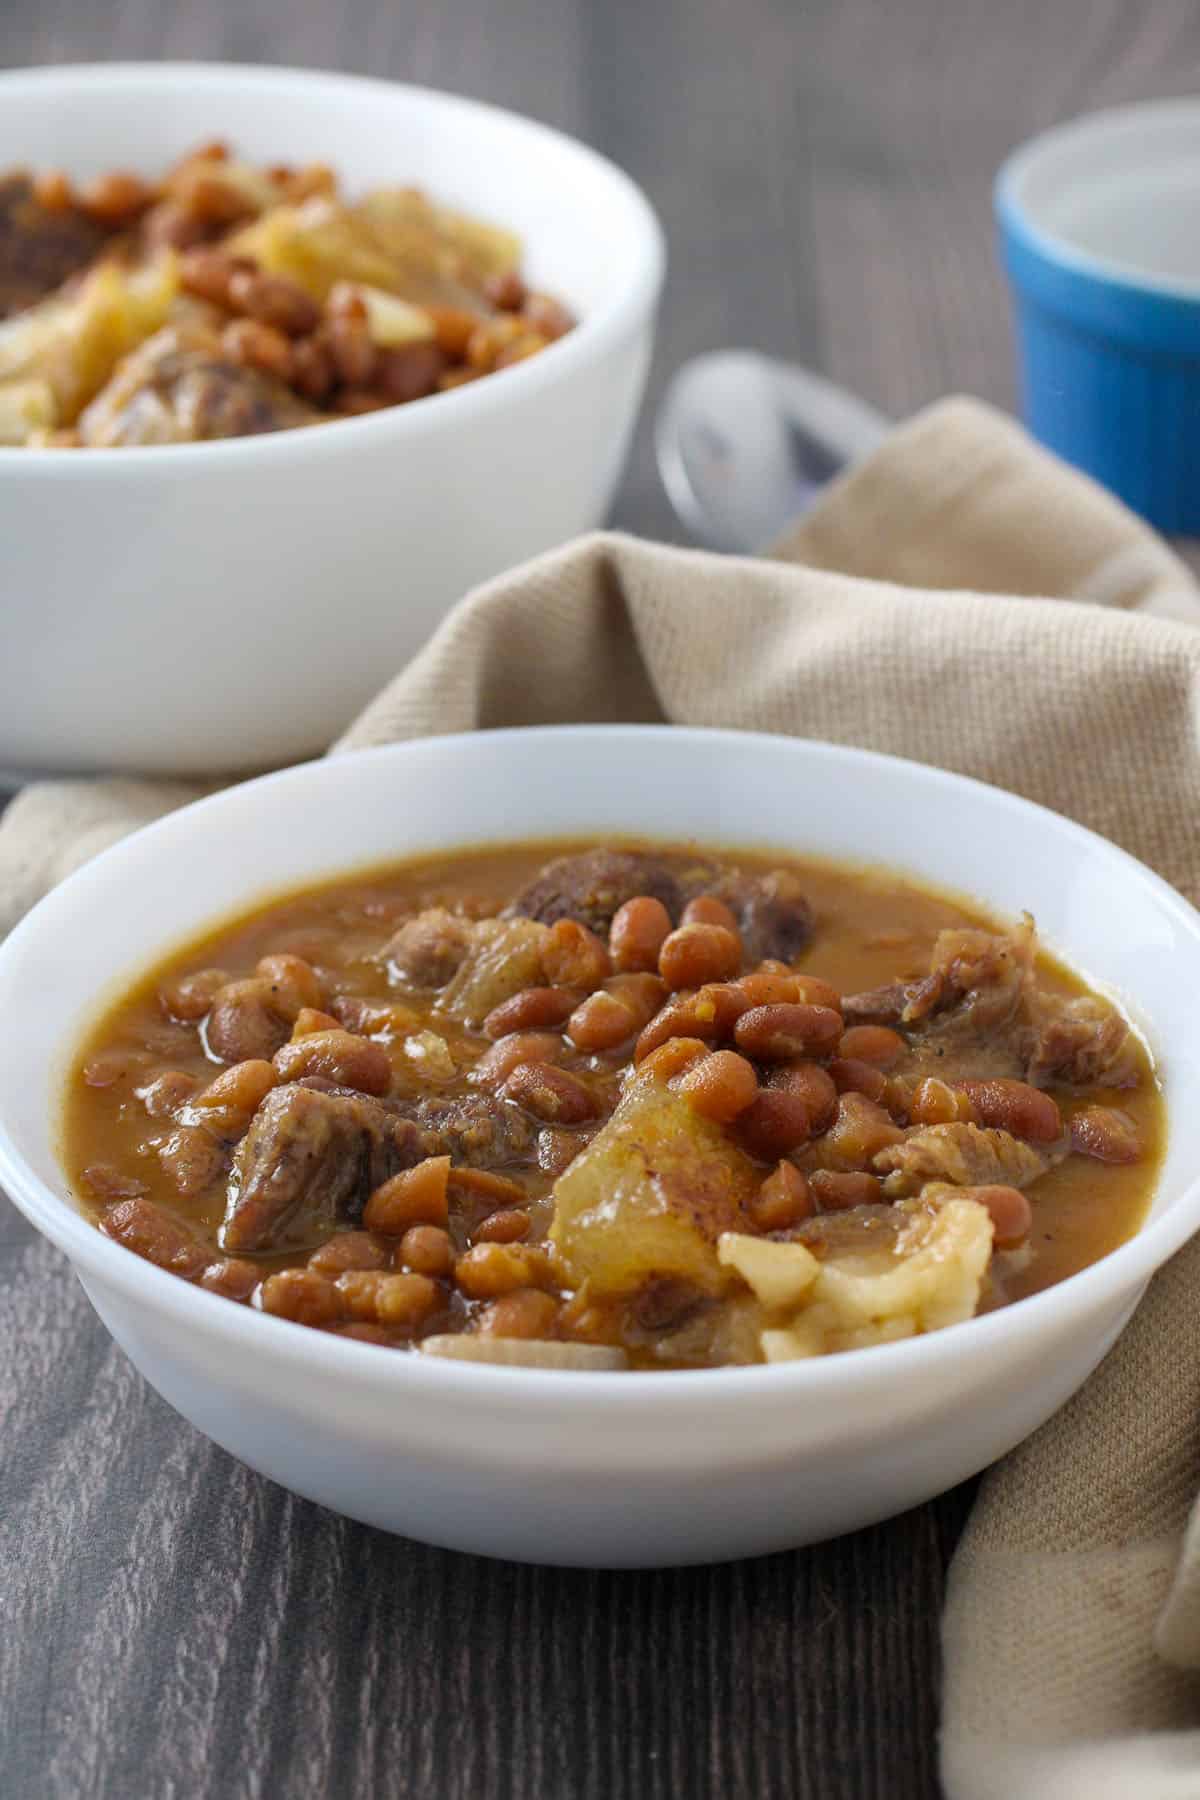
(1072, 1624)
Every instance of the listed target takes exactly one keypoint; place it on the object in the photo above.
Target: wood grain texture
(176, 1627)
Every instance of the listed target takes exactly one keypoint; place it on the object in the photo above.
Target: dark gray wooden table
(173, 1626)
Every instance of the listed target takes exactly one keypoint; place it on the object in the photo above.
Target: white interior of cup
(1122, 188)
(1110, 917)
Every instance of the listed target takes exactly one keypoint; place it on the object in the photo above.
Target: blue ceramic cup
(1099, 226)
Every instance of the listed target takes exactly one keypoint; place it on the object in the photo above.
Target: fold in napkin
(904, 615)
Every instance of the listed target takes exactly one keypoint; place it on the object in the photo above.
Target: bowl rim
(596, 332)
(1013, 214)
(1112, 1279)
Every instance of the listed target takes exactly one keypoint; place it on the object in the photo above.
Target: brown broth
(871, 926)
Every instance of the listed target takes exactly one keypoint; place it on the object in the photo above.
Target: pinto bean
(152, 1233)
(783, 1200)
(417, 1196)
(405, 372)
(111, 1067)
(485, 1184)
(402, 1302)
(506, 291)
(349, 1250)
(427, 1250)
(876, 1044)
(189, 997)
(575, 957)
(1015, 1106)
(295, 984)
(814, 992)
(452, 326)
(721, 1086)
(508, 1053)
(523, 1313)
(532, 1009)
(116, 198)
(643, 993)
(207, 273)
(508, 1226)
(782, 1032)
(935, 1102)
(338, 1056)
(850, 1076)
(835, 1190)
(638, 932)
(247, 1021)
(550, 1094)
(706, 909)
(163, 1097)
(310, 1019)
(672, 1058)
(193, 1158)
(232, 1098)
(859, 1131)
(549, 317)
(1106, 1133)
(1012, 1215)
(274, 301)
(110, 1183)
(812, 1084)
(488, 1270)
(773, 1124)
(697, 954)
(232, 1276)
(258, 346)
(601, 1022)
(710, 1014)
(768, 987)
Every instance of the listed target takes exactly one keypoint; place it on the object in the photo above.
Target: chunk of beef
(964, 1155)
(772, 914)
(774, 918)
(430, 948)
(590, 887)
(478, 1129)
(1079, 1041)
(40, 246)
(312, 1156)
(180, 387)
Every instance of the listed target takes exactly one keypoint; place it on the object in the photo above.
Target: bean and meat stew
(608, 1107)
(226, 299)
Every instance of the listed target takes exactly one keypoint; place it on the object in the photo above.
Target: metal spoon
(745, 444)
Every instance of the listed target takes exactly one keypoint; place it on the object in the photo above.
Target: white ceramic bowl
(601, 1469)
(229, 606)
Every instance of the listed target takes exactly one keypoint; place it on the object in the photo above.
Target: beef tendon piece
(963, 1155)
(648, 1198)
(180, 387)
(1079, 1041)
(976, 983)
(69, 345)
(310, 1160)
(921, 1271)
(40, 246)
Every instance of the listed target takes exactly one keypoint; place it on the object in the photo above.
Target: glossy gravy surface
(870, 927)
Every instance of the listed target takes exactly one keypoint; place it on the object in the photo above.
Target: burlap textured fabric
(963, 599)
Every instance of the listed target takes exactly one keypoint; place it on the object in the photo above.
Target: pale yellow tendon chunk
(780, 1274)
(930, 1278)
